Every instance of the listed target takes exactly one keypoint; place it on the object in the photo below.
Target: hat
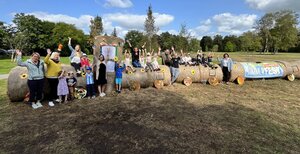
(84, 54)
(89, 68)
(148, 53)
(60, 46)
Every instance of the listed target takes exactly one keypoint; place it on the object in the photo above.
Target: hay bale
(295, 68)
(237, 71)
(158, 84)
(187, 81)
(17, 84)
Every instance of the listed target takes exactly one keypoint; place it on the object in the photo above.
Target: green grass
(7, 65)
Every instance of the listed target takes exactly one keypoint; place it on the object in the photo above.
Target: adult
(101, 77)
(35, 82)
(75, 57)
(135, 53)
(53, 63)
(165, 56)
(226, 65)
(174, 67)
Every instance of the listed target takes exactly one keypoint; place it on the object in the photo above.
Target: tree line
(274, 32)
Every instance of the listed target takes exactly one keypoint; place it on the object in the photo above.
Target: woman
(226, 64)
(53, 68)
(75, 57)
(35, 82)
(101, 77)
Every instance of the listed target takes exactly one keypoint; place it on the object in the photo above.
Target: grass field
(7, 65)
(261, 116)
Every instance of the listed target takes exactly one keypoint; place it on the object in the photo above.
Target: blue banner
(262, 70)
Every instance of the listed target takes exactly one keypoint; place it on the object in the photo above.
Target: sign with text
(109, 53)
(262, 70)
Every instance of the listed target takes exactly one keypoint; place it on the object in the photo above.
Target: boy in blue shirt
(119, 70)
(90, 83)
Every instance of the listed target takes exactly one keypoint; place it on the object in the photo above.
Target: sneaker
(34, 106)
(57, 100)
(93, 97)
(89, 97)
(103, 94)
(38, 104)
(51, 103)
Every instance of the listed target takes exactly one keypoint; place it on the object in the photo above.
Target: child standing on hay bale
(90, 83)
(35, 82)
(129, 67)
(175, 67)
(149, 65)
(119, 70)
(75, 57)
(71, 80)
(62, 87)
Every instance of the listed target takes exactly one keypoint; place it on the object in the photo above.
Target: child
(155, 63)
(84, 61)
(71, 80)
(149, 61)
(62, 87)
(89, 83)
(129, 67)
(142, 59)
(119, 70)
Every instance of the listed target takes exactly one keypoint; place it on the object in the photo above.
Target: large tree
(96, 28)
(194, 45)
(114, 32)
(263, 26)
(206, 43)
(166, 40)
(136, 39)
(250, 41)
(218, 40)
(150, 28)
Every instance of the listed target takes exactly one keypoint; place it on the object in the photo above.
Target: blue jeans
(175, 73)
(136, 64)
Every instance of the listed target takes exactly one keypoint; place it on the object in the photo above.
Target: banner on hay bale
(109, 53)
(262, 70)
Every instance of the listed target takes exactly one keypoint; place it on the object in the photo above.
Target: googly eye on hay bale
(130, 72)
(162, 70)
(83, 74)
(142, 70)
(193, 72)
(116, 59)
(24, 76)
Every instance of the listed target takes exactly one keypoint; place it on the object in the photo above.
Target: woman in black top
(101, 79)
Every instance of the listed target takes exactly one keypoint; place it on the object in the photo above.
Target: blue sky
(211, 17)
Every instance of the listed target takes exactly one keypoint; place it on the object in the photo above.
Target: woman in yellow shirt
(53, 63)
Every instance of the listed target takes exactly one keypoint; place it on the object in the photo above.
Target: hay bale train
(111, 48)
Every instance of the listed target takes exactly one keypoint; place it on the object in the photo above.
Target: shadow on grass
(156, 122)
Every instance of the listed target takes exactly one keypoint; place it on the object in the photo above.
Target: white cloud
(118, 3)
(82, 22)
(136, 21)
(234, 24)
(122, 22)
(274, 5)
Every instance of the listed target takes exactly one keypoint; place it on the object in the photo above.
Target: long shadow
(130, 124)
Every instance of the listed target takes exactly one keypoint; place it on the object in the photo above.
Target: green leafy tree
(215, 48)
(218, 40)
(264, 26)
(229, 47)
(194, 45)
(136, 38)
(96, 28)
(150, 28)
(250, 41)
(114, 33)
(234, 40)
(206, 43)
(166, 40)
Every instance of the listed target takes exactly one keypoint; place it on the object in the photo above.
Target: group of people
(62, 83)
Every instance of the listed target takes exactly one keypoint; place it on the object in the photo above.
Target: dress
(102, 75)
(62, 87)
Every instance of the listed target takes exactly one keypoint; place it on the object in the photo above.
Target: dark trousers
(76, 66)
(226, 74)
(36, 88)
(90, 90)
(53, 88)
